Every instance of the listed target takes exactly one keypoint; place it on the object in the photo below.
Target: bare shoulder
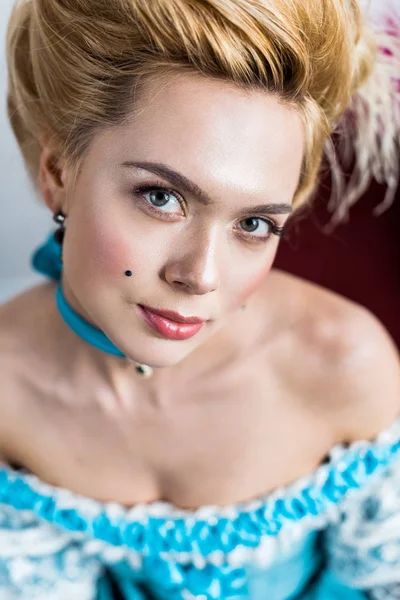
(24, 324)
(22, 338)
(346, 359)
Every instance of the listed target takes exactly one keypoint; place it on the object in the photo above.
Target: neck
(119, 371)
(92, 335)
(164, 384)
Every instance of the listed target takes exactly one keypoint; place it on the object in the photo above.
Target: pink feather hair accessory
(369, 132)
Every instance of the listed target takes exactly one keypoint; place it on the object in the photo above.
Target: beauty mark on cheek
(113, 257)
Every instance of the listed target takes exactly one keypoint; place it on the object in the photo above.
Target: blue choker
(83, 328)
(47, 261)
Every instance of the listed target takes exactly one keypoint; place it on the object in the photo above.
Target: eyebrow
(190, 187)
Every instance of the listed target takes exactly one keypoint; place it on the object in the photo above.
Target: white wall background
(24, 222)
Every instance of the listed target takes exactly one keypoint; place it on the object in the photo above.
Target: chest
(216, 443)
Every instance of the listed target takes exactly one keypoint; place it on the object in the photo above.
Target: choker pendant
(143, 370)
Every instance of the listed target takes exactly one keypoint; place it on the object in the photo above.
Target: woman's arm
(362, 547)
(363, 380)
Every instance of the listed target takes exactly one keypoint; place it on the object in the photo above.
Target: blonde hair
(74, 65)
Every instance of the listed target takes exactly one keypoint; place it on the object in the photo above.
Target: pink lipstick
(170, 324)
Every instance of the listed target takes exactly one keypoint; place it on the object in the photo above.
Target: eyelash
(144, 189)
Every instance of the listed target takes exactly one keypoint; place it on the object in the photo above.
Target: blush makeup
(253, 284)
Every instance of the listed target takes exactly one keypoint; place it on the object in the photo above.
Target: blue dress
(332, 535)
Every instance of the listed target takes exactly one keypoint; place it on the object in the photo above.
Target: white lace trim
(90, 507)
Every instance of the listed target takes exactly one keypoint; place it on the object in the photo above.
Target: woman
(177, 420)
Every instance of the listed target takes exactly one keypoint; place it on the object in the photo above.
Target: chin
(155, 362)
(154, 351)
(157, 353)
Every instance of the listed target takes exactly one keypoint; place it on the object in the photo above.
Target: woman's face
(170, 196)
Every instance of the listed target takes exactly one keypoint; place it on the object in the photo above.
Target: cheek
(107, 254)
(251, 285)
(115, 256)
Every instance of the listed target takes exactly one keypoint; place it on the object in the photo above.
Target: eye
(161, 200)
(257, 228)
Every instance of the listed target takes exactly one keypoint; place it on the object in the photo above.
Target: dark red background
(360, 259)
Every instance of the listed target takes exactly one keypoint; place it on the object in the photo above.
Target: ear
(52, 178)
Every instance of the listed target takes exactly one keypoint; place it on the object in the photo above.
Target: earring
(59, 218)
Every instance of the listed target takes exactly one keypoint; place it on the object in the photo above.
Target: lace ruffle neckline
(210, 532)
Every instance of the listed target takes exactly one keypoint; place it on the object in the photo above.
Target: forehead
(215, 133)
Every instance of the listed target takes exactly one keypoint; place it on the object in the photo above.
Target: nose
(194, 267)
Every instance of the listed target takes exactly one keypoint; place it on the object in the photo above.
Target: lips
(168, 328)
(173, 316)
